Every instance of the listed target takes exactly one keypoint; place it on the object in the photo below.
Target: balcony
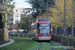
(10, 22)
(10, 18)
(1, 6)
(23, 14)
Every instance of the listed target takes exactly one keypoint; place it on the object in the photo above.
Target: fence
(60, 31)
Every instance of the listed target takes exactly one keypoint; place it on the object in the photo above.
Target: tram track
(45, 42)
(39, 46)
(12, 45)
(24, 45)
(52, 46)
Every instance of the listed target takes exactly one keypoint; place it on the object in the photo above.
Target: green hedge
(16, 35)
(64, 40)
(1, 35)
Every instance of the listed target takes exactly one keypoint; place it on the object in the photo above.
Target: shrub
(1, 34)
(65, 40)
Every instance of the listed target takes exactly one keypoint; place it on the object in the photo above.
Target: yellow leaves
(37, 18)
(52, 19)
(59, 18)
(69, 21)
(60, 4)
(43, 16)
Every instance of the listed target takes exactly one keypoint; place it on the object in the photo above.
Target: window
(17, 15)
(11, 15)
(12, 24)
(23, 10)
(44, 29)
(23, 14)
(16, 21)
(16, 10)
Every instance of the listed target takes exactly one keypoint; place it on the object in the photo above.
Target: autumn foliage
(56, 14)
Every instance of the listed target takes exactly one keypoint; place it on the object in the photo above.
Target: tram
(43, 29)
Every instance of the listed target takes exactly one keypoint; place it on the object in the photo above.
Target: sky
(22, 3)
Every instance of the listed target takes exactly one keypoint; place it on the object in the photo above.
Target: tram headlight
(48, 34)
(51, 29)
(40, 34)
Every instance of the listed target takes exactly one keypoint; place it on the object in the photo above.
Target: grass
(57, 46)
(15, 41)
(45, 46)
(23, 41)
(32, 45)
(3, 42)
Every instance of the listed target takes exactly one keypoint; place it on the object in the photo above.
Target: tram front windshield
(44, 28)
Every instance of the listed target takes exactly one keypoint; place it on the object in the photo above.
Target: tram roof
(43, 20)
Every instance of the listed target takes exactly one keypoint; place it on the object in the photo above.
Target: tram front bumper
(44, 38)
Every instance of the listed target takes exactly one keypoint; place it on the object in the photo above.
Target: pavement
(8, 43)
(64, 48)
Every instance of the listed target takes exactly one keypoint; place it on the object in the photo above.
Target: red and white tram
(43, 27)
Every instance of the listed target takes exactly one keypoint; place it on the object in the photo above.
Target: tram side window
(37, 28)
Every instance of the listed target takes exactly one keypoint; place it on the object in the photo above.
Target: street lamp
(64, 16)
(56, 22)
(29, 20)
(29, 23)
(47, 9)
(39, 14)
(72, 18)
(32, 26)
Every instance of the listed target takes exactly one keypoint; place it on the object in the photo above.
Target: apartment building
(16, 16)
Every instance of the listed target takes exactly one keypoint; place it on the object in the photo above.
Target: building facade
(16, 16)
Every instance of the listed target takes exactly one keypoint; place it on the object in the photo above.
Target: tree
(6, 7)
(39, 4)
(8, 10)
(24, 23)
(57, 14)
(60, 7)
